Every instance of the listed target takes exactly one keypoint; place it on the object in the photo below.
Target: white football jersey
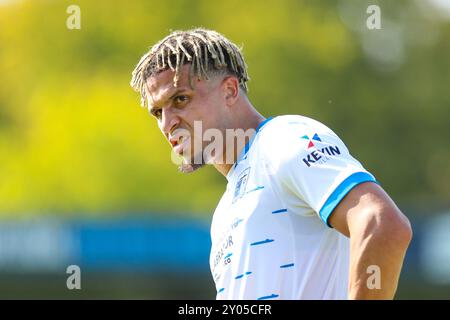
(270, 234)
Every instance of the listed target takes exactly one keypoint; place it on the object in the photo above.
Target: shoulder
(291, 135)
(287, 127)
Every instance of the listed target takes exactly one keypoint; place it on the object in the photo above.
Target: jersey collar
(247, 146)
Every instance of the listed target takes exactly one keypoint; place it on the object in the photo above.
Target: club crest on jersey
(318, 155)
(241, 184)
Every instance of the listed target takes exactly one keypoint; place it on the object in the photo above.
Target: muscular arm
(379, 235)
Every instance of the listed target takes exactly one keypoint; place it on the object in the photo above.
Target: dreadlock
(207, 51)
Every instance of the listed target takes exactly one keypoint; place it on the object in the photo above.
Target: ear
(230, 89)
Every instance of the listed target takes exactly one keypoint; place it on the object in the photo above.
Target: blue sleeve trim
(341, 191)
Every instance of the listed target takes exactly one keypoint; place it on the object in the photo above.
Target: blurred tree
(73, 139)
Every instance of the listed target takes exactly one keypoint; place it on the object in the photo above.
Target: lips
(178, 142)
(175, 142)
(181, 145)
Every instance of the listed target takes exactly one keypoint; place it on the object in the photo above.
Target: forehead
(160, 85)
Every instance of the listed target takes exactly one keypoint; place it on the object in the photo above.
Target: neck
(247, 118)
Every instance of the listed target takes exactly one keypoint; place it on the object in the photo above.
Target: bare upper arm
(365, 203)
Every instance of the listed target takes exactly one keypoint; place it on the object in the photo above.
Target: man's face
(176, 109)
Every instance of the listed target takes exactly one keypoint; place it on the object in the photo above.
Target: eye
(180, 99)
(156, 113)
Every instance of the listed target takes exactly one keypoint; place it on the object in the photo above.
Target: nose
(169, 122)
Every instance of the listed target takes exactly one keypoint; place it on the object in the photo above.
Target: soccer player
(300, 217)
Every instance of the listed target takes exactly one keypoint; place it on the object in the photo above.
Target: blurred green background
(76, 146)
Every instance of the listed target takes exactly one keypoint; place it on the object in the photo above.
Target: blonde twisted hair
(207, 51)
